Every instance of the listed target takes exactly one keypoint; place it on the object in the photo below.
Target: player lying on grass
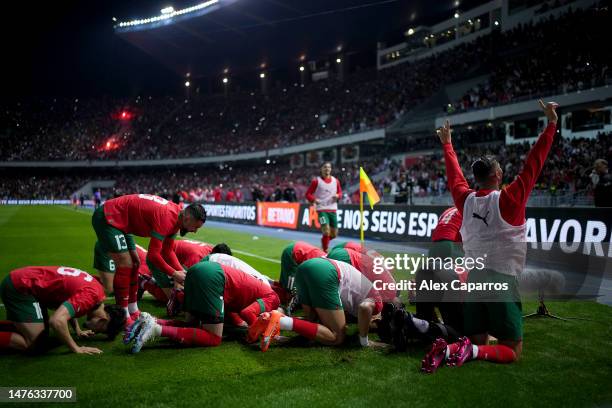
(211, 290)
(292, 256)
(402, 325)
(146, 216)
(28, 292)
(106, 270)
(326, 289)
(493, 224)
(324, 192)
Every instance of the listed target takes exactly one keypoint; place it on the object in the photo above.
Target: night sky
(70, 48)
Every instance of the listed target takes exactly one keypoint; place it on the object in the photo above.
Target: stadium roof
(205, 38)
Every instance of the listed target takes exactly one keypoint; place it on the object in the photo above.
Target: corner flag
(365, 186)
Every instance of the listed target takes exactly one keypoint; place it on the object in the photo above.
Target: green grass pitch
(564, 363)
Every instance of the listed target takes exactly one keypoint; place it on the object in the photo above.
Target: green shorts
(328, 218)
(161, 278)
(21, 308)
(445, 249)
(317, 284)
(288, 268)
(204, 289)
(501, 317)
(102, 261)
(110, 238)
(340, 254)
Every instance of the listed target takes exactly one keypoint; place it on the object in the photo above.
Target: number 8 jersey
(143, 215)
(53, 286)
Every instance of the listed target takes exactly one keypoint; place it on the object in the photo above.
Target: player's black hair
(197, 212)
(116, 320)
(483, 167)
(326, 162)
(221, 248)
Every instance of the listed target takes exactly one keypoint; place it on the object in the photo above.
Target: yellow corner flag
(365, 186)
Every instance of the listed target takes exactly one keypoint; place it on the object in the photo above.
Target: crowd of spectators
(568, 169)
(555, 53)
(556, 56)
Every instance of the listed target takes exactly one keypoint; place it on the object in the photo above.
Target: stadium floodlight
(167, 10)
(302, 68)
(262, 75)
(410, 31)
(338, 60)
(187, 84)
(496, 23)
(267, 161)
(115, 19)
(456, 14)
(224, 80)
(456, 3)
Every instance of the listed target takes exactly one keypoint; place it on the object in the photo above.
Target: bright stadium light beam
(167, 10)
(262, 75)
(225, 80)
(187, 84)
(302, 68)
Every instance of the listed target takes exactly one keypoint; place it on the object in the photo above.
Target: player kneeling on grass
(293, 256)
(326, 290)
(188, 254)
(26, 294)
(211, 290)
(493, 225)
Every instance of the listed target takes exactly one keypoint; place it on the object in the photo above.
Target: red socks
(133, 296)
(5, 339)
(497, 353)
(305, 328)
(156, 291)
(191, 336)
(325, 242)
(121, 286)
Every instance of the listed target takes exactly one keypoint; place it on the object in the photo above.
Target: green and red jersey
(53, 286)
(148, 216)
(191, 252)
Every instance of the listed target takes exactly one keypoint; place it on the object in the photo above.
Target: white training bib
(233, 262)
(325, 193)
(486, 234)
(354, 287)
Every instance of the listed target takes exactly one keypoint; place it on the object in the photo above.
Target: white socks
(286, 323)
(363, 340)
(474, 351)
(132, 307)
(420, 324)
(157, 329)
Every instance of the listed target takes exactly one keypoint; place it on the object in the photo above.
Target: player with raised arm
(27, 293)
(326, 290)
(146, 216)
(211, 290)
(324, 192)
(493, 224)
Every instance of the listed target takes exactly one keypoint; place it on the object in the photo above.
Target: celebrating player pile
(146, 216)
